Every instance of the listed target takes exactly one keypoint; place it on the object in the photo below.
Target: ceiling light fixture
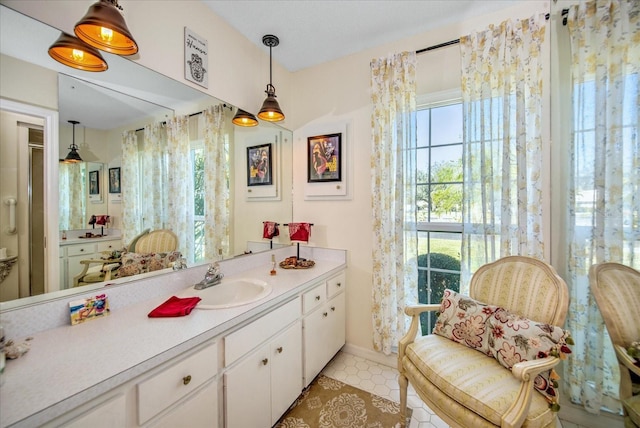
(73, 52)
(270, 110)
(73, 156)
(104, 28)
(243, 118)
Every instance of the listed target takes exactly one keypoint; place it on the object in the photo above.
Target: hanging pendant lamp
(104, 28)
(270, 110)
(73, 156)
(243, 118)
(75, 53)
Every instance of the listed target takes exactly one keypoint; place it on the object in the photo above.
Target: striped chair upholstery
(467, 388)
(616, 289)
(157, 241)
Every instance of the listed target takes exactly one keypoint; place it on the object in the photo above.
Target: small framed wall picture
(196, 59)
(94, 182)
(259, 163)
(324, 158)
(114, 180)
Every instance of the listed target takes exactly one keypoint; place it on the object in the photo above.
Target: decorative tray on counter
(296, 263)
(91, 236)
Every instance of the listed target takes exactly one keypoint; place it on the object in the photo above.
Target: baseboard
(368, 354)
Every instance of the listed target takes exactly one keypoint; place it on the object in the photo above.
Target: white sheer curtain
(179, 190)
(393, 186)
(130, 178)
(502, 105)
(604, 181)
(73, 195)
(216, 182)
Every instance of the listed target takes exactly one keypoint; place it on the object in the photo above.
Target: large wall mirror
(126, 97)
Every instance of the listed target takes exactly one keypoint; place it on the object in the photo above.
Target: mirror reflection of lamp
(73, 156)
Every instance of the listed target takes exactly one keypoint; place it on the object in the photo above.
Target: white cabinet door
(108, 414)
(286, 370)
(324, 335)
(248, 391)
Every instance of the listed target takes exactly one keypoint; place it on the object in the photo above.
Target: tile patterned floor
(383, 381)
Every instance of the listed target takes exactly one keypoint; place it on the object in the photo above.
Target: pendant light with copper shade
(270, 110)
(73, 156)
(104, 28)
(243, 118)
(75, 53)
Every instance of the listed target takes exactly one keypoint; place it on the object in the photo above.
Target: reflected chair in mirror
(468, 386)
(157, 241)
(616, 289)
(148, 251)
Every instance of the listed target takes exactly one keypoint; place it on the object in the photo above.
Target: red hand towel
(299, 231)
(175, 307)
(102, 219)
(270, 230)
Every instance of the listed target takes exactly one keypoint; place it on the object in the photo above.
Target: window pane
(446, 203)
(422, 131)
(447, 128)
(422, 164)
(438, 269)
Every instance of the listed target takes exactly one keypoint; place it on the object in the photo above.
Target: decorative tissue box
(88, 309)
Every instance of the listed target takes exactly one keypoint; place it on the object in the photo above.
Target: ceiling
(312, 32)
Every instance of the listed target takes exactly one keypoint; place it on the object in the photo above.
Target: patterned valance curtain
(502, 105)
(604, 181)
(73, 196)
(216, 182)
(393, 186)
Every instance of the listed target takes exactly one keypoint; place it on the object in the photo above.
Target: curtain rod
(565, 12)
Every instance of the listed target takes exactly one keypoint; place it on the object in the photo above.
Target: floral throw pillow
(463, 320)
(512, 339)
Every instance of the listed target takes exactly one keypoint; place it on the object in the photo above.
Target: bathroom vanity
(231, 367)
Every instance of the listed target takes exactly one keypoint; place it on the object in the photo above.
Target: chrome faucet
(211, 278)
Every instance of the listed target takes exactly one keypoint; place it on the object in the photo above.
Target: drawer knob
(82, 250)
(186, 380)
(339, 284)
(279, 350)
(324, 314)
(317, 297)
(265, 361)
(333, 308)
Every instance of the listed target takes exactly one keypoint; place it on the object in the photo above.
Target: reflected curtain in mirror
(216, 182)
(180, 213)
(72, 200)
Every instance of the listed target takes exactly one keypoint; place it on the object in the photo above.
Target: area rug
(329, 403)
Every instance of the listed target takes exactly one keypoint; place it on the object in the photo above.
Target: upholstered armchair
(616, 289)
(147, 252)
(473, 378)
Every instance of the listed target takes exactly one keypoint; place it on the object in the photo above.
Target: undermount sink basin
(232, 292)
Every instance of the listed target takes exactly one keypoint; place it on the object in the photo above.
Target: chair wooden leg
(404, 384)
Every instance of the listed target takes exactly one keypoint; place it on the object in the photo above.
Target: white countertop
(70, 365)
(78, 240)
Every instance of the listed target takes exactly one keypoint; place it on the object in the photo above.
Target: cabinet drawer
(77, 250)
(336, 284)
(314, 298)
(160, 391)
(109, 246)
(248, 337)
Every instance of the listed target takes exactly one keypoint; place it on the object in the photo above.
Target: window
(439, 203)
(197, 160)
